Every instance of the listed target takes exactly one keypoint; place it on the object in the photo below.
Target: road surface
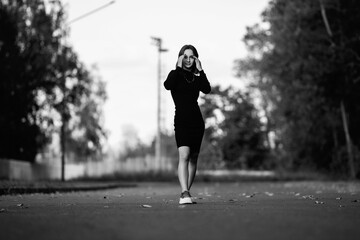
(249, 210)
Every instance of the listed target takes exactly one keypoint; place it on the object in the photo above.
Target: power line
(91, 12)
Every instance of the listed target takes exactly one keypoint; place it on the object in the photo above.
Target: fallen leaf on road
(21, 205)
(309, 197)
(146, 206)
(269, 194)
(250, 196)
(339, 198)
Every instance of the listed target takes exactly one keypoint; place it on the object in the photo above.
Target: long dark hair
(193, 49)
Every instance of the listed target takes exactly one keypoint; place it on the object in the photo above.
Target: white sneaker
(185, 198)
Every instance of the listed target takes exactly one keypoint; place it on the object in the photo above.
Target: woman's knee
(184, 153)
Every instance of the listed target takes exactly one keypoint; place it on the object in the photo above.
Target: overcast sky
(118, 39)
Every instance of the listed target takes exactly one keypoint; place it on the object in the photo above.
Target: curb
(12, 188)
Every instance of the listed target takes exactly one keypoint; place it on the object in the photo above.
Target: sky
(118, 40)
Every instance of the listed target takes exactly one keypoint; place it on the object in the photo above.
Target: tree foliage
(304, 61)
(42, 79)
(234, 135)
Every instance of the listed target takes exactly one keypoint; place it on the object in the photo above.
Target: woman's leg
(183, 172)
(192, 167)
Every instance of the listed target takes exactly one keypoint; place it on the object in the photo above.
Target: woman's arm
(204, 85)
(170, 81)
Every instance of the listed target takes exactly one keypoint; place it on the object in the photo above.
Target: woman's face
(188, 59)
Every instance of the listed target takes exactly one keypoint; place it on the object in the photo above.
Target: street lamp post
(158, 155)
(64, 118)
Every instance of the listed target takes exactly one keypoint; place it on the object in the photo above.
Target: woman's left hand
(198, 64)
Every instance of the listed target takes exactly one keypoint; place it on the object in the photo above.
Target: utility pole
(158, 150)
(64, 117)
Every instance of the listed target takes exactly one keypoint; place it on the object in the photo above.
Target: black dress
(188, 121)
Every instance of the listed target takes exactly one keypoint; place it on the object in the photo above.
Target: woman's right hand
(180, 61)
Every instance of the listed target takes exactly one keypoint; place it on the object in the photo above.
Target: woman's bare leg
(183, 171)
(192, 168)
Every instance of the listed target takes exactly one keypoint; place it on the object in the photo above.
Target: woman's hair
(193, 49)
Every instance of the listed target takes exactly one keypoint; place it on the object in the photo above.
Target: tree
(38, 71)
(26, 55)
(307, 77)
(86, 134)
(234, 128)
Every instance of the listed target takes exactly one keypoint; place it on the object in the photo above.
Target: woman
(185, 83)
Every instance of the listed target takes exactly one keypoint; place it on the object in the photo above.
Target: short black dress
(188, 122)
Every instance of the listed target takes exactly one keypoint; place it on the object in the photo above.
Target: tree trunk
(348, 142)
(336, 154)
(326, 22)
(342, 107)
(267, 126)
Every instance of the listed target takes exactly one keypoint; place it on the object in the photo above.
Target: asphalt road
(260, 210)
